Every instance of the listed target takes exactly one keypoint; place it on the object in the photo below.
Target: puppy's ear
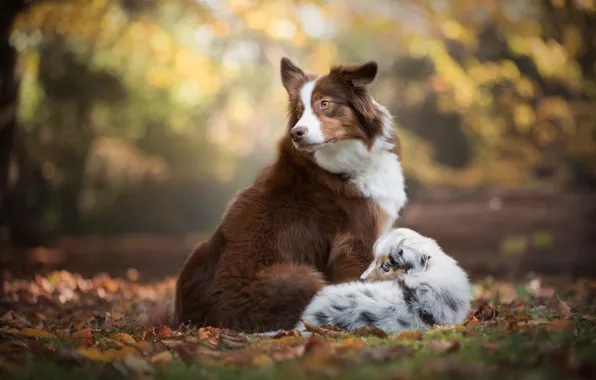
(424, 261)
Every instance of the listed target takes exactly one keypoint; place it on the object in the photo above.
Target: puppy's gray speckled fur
(434, 290)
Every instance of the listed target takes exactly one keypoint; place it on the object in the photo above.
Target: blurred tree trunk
(9, 85)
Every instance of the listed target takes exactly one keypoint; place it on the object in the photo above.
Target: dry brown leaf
(83, 337)
(560, 325)
(288, 341)
(564, 309)
(410, 335)
(35, 333)
(323, 330)
(444, 346)
(143, 346)
(316, 346)
(369, 330)
(283, 333)
(230, 339)
(280, 353)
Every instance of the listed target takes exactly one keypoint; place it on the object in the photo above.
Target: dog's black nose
(297, 133)
(362, 279)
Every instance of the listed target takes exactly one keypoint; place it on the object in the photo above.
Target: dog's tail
(160, 314)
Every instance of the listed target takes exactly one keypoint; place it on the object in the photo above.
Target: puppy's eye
(385, 267)
(401, 252)
(325, 104)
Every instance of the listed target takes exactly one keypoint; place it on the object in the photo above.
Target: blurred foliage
(117, 95)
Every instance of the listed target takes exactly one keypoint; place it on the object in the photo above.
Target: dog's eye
(385, 267)
(401, 252)
(325, 104)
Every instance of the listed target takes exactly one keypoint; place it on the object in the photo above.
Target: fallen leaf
(35, 333)
(162, 358)
(316, 346)
(124, 338)
(564, 309)
(369, 330)
(164, 331)
(352, 343)
(93, 354)
(410, 335)
(288, 341)
(283, 333)
(444, 346)
(83, 337)
(323, 330)
(230, 339)
(138, 366)
(280, 353)
(483, 313)
(143, 346)
(560, 325)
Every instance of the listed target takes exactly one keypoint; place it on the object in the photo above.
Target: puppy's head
(393, 257)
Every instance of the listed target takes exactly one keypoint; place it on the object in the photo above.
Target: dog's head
(335, 107)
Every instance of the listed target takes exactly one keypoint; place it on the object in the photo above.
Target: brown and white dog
(308, 219)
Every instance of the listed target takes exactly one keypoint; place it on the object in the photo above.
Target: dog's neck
(350, 168)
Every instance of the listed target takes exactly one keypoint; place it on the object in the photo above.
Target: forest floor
(64, 326)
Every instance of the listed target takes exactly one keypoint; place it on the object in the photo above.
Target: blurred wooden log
(511, 232)
(504, 233)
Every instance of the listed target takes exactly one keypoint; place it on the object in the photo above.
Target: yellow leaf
(162, 358)
(124, 338)
(93, 354)
(35, 333)
(262, 360)
(13, 331)
(108, 340)
(353, 343)
(410, 335)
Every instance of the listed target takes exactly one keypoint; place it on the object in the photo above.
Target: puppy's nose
(362, 279)
(298, 132)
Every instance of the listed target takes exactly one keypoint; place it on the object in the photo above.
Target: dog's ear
(358, 75)
(291, 75)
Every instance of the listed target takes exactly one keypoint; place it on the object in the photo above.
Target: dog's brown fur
(293, 229)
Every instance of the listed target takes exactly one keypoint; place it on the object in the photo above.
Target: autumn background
(127, 125)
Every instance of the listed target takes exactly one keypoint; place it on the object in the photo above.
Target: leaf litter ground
(63, 326)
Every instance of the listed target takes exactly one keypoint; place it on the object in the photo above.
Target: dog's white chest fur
(376, 173)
